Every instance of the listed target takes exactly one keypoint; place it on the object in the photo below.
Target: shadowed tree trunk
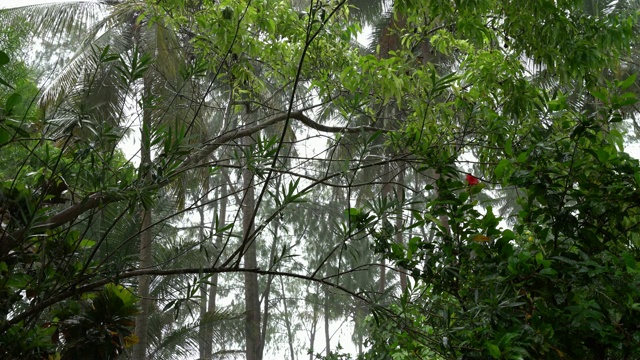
(386, 191)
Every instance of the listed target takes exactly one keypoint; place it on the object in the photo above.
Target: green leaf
(548, 272)
(557, 104)
(4, 58)
(629, 260)
(602, 155)
(14, 100)
(86, 243)
(502, 166)
(508, 235)
(625, 100)
(353, 211)
(623, 85)
(601, 95)
(374, 136)
(397, 250)
(169, 305)
(508, 147)
(19, 281)
(494, 350)
(5, 137)
(522, 157)
(5, 83)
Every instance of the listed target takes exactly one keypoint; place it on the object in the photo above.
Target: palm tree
(123, 61)
(92, 90)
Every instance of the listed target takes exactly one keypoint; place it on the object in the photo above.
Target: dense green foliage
(458, 191)
(552, 286)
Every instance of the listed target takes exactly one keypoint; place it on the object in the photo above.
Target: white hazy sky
(17, 3)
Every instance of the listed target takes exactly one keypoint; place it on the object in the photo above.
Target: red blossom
(472, 180)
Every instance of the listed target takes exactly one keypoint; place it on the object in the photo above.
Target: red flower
(472, 180)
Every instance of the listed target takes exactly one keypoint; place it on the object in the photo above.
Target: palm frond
(70, 18)
(378, 29)
(368, 11)
(87, 59)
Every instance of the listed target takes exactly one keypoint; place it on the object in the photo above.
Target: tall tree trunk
(386, 190)
(222, 220)
(327, 337)
(382, 282)
(417, 189)
(251, 290)
(213, 291)
(360, 340)
(142, 320)
(399, 233)
(267, 290)
(203, 292)
(360, 313)
(314, 326)
(265, 313)
(287, 321)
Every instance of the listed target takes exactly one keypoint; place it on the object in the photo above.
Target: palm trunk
(207, 354)
(314, 327)
(360, 318)
(327, 338)
(287, 321)
(213, 291)
(265, 314)
(203, 292)
(382, 282)
(142, 320)
(267, 290)
(251, 290)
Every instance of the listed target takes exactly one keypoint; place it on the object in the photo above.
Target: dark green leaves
(4, 59)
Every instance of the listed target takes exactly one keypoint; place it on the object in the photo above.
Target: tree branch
(95, 200)
(160, 272)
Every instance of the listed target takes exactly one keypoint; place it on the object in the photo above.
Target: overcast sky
(16, 3)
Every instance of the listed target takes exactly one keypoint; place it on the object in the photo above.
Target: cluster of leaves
(563, 284)
(37, 176)
(99, 324)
